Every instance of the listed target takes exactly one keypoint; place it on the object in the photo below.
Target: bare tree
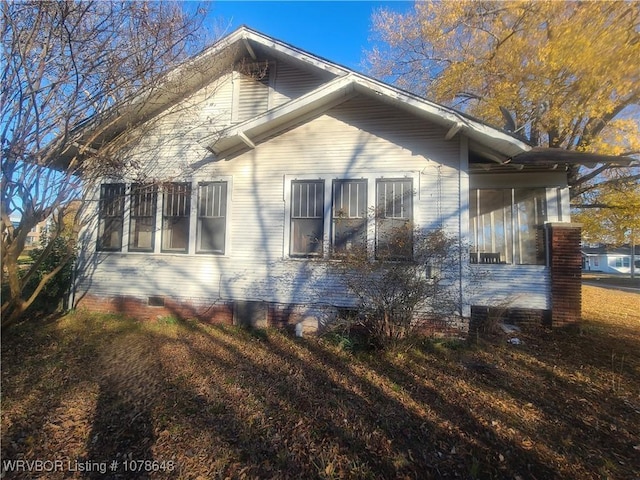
(69, 65)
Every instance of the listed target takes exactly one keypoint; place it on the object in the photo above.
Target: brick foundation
(221, 313)
(258, 314)
(523, 317)
(565, 263)
(299, 318)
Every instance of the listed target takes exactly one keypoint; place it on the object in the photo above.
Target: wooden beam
(249, 49)
(455, 128)
(246, 140)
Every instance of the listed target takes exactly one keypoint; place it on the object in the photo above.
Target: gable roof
(608, 250)
(486, 141)
(185, 79)
(251, 131)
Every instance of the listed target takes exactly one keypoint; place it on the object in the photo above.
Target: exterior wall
(511, 286)
(358, 139)
(351, 141)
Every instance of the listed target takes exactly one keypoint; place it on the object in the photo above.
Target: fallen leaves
(221, 404)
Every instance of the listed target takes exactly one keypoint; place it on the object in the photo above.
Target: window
(111, 216)
(307, 218)
(349, 215)
(618, 262)
(626, 262)
(507, 225)
(394, 212)
(212, 217)
(142, 224)
(176, 207)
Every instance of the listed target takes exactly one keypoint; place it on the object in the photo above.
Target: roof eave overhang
(178, 83)
(492, 143)
(542, 156)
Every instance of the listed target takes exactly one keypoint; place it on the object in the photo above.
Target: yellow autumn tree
(613, 216)
(560, 74)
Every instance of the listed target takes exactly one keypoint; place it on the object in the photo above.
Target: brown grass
(222, 402)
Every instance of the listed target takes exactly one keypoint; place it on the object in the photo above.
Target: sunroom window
(507, 225)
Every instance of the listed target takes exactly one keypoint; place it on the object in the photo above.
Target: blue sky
(339, 31)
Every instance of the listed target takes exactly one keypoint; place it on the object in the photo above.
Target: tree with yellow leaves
(560, 74)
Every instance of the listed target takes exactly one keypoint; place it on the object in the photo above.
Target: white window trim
(194, 213)
(193, 219)
(328, 199)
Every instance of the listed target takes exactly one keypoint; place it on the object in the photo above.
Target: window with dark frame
(394, 219)
(349, 216)
(212, 217)
(111, 217)
(142, 224)
(307, 218)
(176, 209)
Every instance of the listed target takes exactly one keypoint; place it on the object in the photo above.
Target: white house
(610, 260)
(251, 151)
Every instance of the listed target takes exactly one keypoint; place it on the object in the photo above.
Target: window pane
(394, 212)
(212, 212)
(491, 223)
(530, 214)
(307, 218)
(111, 216)
(141, 233)
(507, 225)
(306, 236)
(176, 207)
(349, 209)
(142, 225)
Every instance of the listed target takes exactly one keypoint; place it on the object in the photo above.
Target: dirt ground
(107, 397)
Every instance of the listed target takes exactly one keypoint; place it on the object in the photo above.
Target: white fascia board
(448, 118)
(293, 52)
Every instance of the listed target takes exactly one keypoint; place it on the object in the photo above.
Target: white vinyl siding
(253, 86)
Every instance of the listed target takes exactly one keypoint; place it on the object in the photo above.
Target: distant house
(609, 259)
(261, 162)
(35, 235)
